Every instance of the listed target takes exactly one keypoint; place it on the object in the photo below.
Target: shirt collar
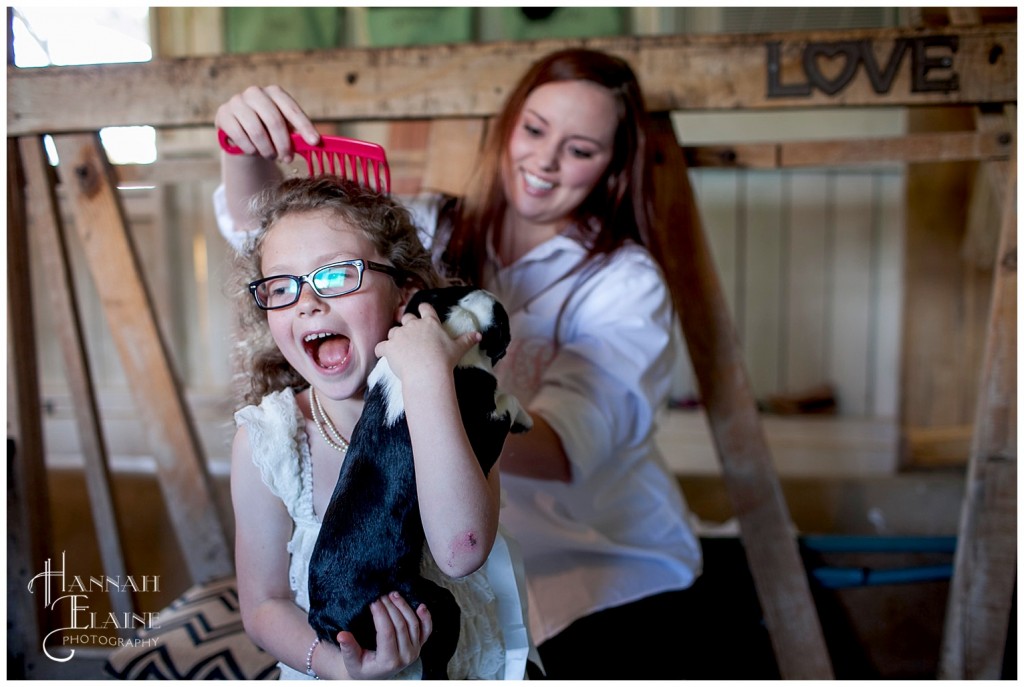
(565, 244)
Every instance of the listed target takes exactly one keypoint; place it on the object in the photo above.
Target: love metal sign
(829, 67)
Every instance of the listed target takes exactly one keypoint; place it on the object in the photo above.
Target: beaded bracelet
(309, 659)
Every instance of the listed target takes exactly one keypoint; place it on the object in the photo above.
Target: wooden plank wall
(811, 264)
(948, 295)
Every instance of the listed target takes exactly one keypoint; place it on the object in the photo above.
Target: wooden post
(765, 529)
(100, 222)
(45, 220)
(985, 566)
(29, 529)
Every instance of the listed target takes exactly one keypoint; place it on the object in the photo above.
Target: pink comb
(349, 158)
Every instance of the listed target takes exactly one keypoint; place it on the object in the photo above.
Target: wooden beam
(765, 529)
(435, 161)
(170, 171)
(29, 528)
(45, 220)
(876, 67)
(985, 566)
(946, 299)
(913, 148)
(110, 255)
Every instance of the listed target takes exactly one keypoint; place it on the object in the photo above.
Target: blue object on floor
(837, 577)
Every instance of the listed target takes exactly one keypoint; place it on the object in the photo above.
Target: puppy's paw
(522, 422)
(508, 406)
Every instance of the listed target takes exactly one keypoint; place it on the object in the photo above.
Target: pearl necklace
(322, 421)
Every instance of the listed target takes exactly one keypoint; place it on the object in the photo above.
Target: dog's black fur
(371, 541)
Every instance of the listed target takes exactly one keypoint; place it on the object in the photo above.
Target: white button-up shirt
(598, 371)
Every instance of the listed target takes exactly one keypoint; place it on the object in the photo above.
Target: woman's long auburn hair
(617, 210)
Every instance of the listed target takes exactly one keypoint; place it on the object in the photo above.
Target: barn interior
(843, 416)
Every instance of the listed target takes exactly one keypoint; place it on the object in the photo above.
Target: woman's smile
(535, 184)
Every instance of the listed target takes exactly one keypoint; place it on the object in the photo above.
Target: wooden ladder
(99, 219)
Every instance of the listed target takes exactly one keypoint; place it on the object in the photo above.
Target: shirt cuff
(238, 240)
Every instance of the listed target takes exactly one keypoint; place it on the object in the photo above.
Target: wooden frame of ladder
(469, 81)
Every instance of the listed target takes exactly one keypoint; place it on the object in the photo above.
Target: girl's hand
(401, 633)
(260, 120)
(422, 347)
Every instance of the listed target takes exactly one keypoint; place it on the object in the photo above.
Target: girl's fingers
(382, 623)
(233, 128)
(427, 312)
(403, 641)
(426, 622)
(260, 122)
(236, 119)
(350, 650)
(270, 125)
(466, 341)
(294, 114)
(409, 616)
(256, 116)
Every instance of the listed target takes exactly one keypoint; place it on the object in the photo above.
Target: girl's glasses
(335, 279)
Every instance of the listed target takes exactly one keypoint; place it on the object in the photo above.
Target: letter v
(881, 81)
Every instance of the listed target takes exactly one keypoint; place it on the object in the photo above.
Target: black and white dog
(371, 541)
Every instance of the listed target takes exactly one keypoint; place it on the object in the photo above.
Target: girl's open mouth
(328, 350)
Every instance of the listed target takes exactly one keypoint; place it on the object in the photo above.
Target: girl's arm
(458, 503)
(260, 122)
(269, 614)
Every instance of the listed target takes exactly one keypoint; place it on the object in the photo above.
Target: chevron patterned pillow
(200, 638)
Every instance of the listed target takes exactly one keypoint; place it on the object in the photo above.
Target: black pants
(647, 639)
(712, 631)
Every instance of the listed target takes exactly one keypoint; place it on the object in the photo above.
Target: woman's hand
(401, 634)
(260, 121)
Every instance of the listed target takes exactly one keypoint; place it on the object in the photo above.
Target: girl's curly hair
(260, 367)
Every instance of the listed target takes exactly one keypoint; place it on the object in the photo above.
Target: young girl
(327, 276)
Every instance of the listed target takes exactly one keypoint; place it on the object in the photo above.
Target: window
(89, 35)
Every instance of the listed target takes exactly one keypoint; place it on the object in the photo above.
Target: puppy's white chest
(391, 387)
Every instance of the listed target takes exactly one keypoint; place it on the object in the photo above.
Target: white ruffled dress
(494, 643)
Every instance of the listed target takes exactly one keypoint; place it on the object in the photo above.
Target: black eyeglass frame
(360, 265)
